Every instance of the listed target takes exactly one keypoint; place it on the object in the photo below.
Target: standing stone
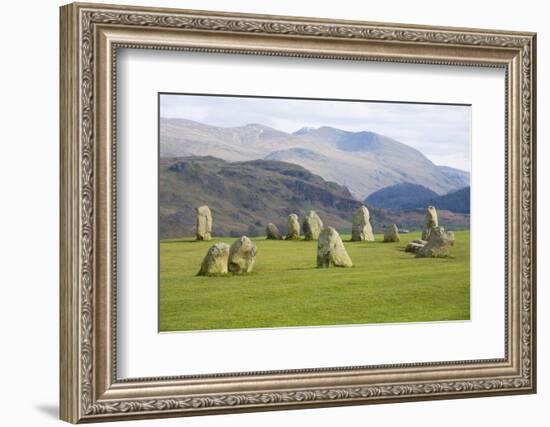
(215, 261)
(204, 223)
(361, 228)
(392, 234)
(430, 222)
(331, 251)
(293, 232)
(272, 232)
(312, 226)
(242, 256)
(438, 244)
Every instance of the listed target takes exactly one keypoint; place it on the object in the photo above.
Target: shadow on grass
(365, 245)
(226, 275)
(403, 250)
(300, 269)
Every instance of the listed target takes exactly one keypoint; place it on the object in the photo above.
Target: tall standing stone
(272, 232)
(430, 222)
(204, 223)
(438, 244)
(215, 261)
(242, 256)
(331, 251)
(293, 232)
(392, 234)
(312, 226)
(361, 228)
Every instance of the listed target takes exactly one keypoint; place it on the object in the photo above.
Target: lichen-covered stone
(331, 251)
(215, 261)
(413, 247)
(204, 223)
(361, 228)
(272, 232)
(312, 226)
(430, 222)
(293, 228)
(242, 256)
(392, 234)
(438, 244)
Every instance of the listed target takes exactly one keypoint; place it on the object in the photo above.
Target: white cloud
(441, 132)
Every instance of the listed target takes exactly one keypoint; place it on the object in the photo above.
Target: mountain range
(456, 201)
(414, 196)
(363, 162)
(246, 195)
(399, 195)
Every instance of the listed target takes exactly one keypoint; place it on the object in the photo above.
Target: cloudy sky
(441, 132)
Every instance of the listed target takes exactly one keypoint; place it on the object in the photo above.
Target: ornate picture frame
(90, 37)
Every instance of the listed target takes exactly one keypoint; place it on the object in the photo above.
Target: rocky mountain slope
(364, 162)
(245, 196)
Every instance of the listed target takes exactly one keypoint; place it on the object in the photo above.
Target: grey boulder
(272, 232)
(413, 247)
(215, 261)
(392, 234)
(331, 251)
(361, 228)
(430, 221)
(293, 227)
(204, 223)
(438, 244)
(312, 226)
(242, 256)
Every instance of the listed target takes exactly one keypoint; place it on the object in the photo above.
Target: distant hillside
(362, 161)
(245, 196)
(400, 195)
(456, 201)
(411, 196)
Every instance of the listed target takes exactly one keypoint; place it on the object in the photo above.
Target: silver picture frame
(90, 37)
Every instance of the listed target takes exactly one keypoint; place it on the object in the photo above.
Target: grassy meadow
(385, 285)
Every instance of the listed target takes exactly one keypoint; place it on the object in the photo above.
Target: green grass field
(385, 285)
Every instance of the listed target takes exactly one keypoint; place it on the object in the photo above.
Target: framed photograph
(267, 212)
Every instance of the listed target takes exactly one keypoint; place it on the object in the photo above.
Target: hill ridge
(245, 196)
(408, 196)
(363, 161)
